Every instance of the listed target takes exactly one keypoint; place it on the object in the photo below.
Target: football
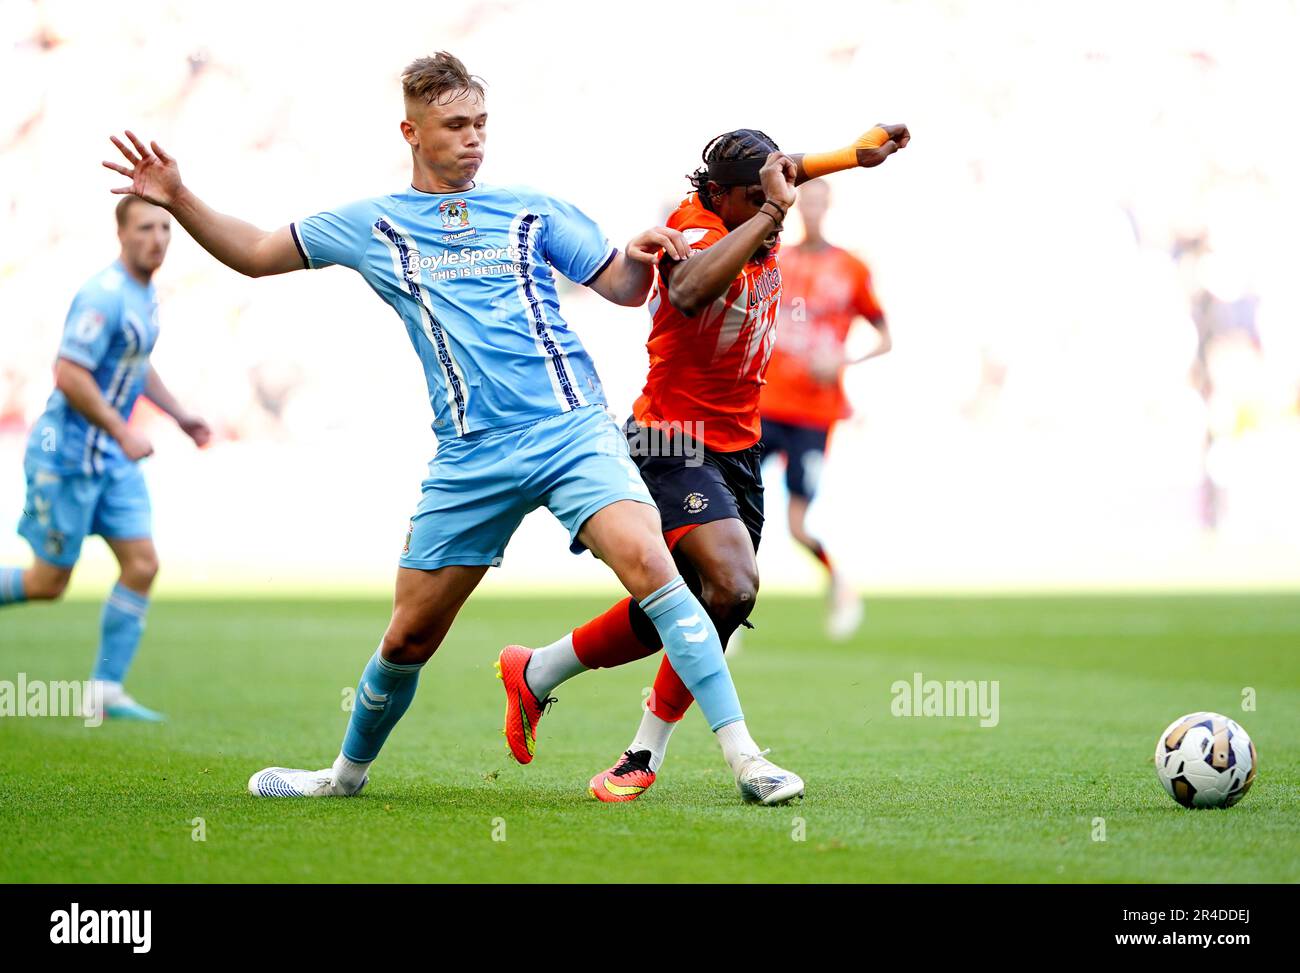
(1206, 760)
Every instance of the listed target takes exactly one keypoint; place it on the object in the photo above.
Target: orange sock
(820, 554)
(670, 699)
(611, 639)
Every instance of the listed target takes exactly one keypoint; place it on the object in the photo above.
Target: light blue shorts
(61, 509)
(481, 486)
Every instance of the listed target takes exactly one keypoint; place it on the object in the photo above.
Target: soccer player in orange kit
(695, 431)
(824, 291)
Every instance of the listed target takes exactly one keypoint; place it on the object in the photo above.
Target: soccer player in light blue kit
(518, 408)
(82, 458)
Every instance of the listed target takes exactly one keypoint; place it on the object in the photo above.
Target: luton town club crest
(695, 503)
(455, 214)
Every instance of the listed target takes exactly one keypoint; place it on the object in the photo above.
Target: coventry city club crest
(455, 214)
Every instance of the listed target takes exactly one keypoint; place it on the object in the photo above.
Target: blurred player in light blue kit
(471, 270)
(82, 458)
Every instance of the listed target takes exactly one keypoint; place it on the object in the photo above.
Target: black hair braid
(743, 143)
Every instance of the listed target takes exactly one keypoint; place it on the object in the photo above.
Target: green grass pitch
(1085, 686)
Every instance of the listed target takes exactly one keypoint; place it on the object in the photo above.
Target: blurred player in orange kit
(825, 290)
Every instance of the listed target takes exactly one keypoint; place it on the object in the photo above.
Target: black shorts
(702, 487)
(804, 449)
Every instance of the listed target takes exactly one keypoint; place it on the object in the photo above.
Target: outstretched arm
(156, 178)
(872, 148)
(158, 393)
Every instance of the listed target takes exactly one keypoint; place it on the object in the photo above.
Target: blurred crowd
(1086, 253)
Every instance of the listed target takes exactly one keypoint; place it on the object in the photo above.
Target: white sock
(107, 692)
(551, 665)
(736, 743)
(349, 774)
(652, 735)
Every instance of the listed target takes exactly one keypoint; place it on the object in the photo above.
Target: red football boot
(625, 781)
(523, 709)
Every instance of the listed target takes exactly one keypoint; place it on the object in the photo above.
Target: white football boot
(283, 782)
(762, 782)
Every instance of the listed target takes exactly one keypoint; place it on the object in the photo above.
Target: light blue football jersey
(110, 330)
(472, 276)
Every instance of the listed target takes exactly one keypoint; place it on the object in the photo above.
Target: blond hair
(124, 204)
(438, 79)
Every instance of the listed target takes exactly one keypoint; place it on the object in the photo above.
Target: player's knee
(141, 570)
(730, 598)
(404, 646)
(653, 565)
(46, 587)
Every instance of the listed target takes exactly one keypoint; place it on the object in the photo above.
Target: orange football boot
(625, 781)
(523, 709)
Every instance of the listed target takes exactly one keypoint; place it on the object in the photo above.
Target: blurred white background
(1086, 255)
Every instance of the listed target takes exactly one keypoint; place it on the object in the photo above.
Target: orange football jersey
(708, 369)
(825, 291)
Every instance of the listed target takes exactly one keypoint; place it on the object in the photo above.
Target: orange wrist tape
(817, 164)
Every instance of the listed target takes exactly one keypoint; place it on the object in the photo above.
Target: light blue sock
(11, 586)
(385, 691)
(693, 648)
(121, 626)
